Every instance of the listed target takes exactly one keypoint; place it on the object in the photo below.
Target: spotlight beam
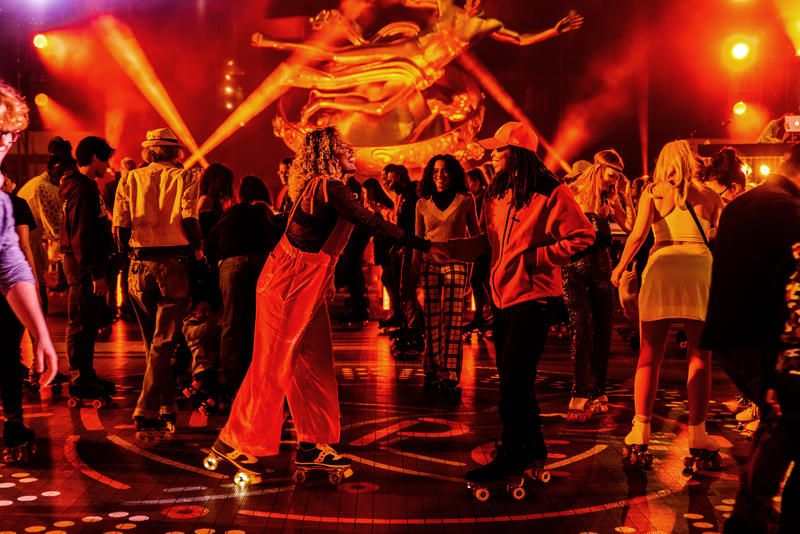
(492, 86)
(126, 51)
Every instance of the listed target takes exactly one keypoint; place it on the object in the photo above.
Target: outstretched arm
(571, 22)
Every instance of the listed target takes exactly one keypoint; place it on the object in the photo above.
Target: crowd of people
(243, 284)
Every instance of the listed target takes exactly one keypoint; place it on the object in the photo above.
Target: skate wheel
(187, 392)
(97, 404)
(481, 494)
(544, 477)
(518, 493)
(73, 402)
(687, 471)
(211, 462)
(242, 480)
(299, 476)
(335, 478)
(203, 411)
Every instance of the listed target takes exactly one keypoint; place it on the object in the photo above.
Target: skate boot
(169, 421)
(18, 443)
(468, 328)
(450, 389)
(599, 404)
(390, 323)
(431, 382)
(634, 452)
(750, 429)
(579, 410)
(149, 430)
(250, 469)
(749, 414)
(106, 385)
(506, 470)
(202, 393)
(703, 452)
(409, 347)
(83, 390)
(321, 457)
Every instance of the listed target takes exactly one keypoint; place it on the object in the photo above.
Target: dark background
(639, 73)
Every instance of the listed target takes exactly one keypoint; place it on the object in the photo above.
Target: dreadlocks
(524, 170)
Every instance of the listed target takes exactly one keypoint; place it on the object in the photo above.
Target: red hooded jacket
(528, 246)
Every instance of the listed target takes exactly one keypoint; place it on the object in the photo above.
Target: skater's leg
(698, 383)
(11, 331)
(313, 392)
(454, 285)
(432, 286)
(602, 310)
(82, 321)
(654, 338)
(577, 300)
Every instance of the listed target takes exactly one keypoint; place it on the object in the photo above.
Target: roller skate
(202, 392)
(508, 471)
(352, 321)
(749, 429)
(149, 430)
(430, 383)
(83, 391)
(581, 409)
(736, 405)
(634, 452)
(31, 383)
(321, 457)
(250, 469)
(450, 389)
(703, 452)
(408, 348)
(389, 324)
(169, 421)
(18, 443)
(749, 414)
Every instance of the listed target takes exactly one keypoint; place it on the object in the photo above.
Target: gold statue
(397, 89)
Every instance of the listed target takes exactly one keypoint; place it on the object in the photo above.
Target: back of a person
(245, 229)
(156, 197)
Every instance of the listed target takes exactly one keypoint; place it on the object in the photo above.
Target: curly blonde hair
(13, 110)
(588, 186)
(677, 166)
(319, 155)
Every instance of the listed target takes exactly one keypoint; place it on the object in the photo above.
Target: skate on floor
(581, 409)
(634, 450)
(18, 443)
(150, 430)
(385, 326)
(747, 415)
(86, 392)
(508, 471)
(250, 469)
(204, 394)
(321, 457)
(408, 347)
(737, 404)
(447, 387)
(31, 383)
(703, 452)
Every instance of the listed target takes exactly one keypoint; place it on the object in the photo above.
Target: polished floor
(410, 453)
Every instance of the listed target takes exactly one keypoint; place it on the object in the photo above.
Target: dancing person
(349, 271)
(675, 284)
(445, 211)
(479, 277)
(283, 202)
(216, 195)
(293, 352)
(41, 194)
(408, 340)
(24, 222)
(531, 227)
(240, 243)
(19, 304)
(725, 176)
(376, 199)
(155, 219)
(747, 311)
(588, 293)
(86, 247)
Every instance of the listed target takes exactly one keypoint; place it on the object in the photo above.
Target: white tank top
(680, 226)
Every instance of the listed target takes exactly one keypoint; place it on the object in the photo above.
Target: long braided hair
(524, 170)
(319, 155)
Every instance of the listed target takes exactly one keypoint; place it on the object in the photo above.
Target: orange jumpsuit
(292, 350)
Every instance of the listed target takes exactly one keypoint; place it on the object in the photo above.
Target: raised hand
(571, 22)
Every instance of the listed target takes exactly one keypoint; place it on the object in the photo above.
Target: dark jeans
(775, 445)
(412, 311)
(83, 310)
(159, 289)
(589, 298)
(519, 336)
(350, 274)
(392, 286)
(238, 277)
(11, 331)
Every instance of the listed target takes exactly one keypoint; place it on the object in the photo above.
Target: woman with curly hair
(675, 286)
(445, 211)
(588, 293)
(292, 348)
(725, 176)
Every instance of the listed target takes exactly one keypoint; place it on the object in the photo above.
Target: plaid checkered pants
(444, 286)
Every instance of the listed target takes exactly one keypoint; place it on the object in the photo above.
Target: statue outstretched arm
(571, 22)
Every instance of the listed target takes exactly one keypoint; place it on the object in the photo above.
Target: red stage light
(740, 50)
(40, 40)
(740, 108)
(41, 100)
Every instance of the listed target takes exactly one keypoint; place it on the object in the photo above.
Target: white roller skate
(703, 452)
(634, 452)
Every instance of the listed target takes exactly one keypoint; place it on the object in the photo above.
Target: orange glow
(40, 40)
(126, 51)
(56, 117)
(41, 100)
(748, 125)
(740, 108)
(385, 302)
(789, 12)
(764, 170)
(114, 125)
(739, 51)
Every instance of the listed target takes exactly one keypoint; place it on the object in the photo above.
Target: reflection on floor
(410, 450)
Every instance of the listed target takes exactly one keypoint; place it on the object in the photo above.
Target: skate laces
(327, 450)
